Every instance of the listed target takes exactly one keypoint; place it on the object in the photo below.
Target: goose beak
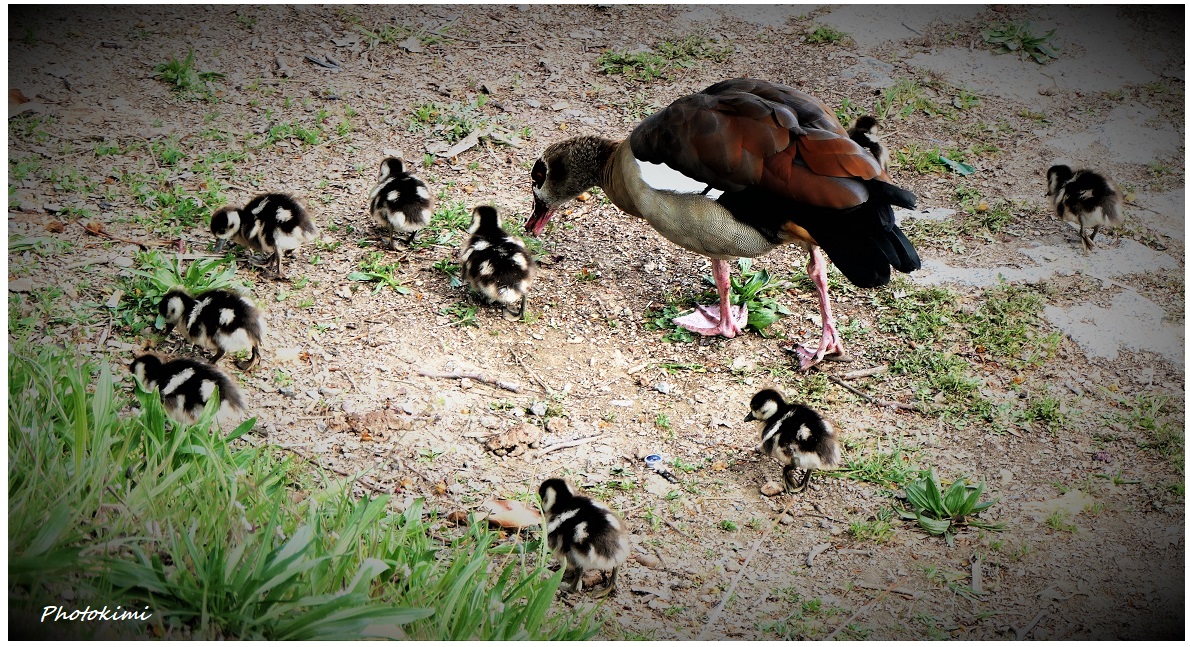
(541, 215)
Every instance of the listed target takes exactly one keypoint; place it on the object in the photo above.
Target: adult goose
(736, 170)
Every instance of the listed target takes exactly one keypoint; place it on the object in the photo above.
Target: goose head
(563, 172)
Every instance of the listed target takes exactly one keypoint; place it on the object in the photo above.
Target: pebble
(787, 520)
(648, 561)
(538, 408)
(287, 391)
(533, 103)
(330, 390)
(557, 425)
(772, 488)
(490, 422)
(663, 387)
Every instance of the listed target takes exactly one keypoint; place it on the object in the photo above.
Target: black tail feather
(867, 254)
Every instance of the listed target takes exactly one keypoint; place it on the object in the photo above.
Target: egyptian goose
(866, 133)
(495, 263)
(583, 533)
(736, 170)
(218, 320)
(795, 435)
(186, 385)
(400, 202)
(273, 223)
(1085, 198)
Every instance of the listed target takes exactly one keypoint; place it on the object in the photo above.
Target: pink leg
(709, 320)
(831, 343)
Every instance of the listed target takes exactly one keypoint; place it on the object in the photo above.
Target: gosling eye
(539, 174)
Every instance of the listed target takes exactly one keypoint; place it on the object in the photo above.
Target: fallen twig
(815, 552)
(568, 443)
(533, 374)
(507, 386)
(867, 372)
(96, 229)
(676, 529)
(977, 577)
(1021, 634)
(860, 610)
(880, 403)
(736, 580)
(901, 591)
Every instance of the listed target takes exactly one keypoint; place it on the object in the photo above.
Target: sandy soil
(341, 382)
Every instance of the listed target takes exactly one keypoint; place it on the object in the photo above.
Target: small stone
(489, 422)
(787, 520)
(648, 561)
(533, 103)
(538, 408)
(287, 391)
(663, 387)
(621, 403)
(561, 105)
(772, 488)
(557, 425)
(52, 207)
(330, 390)
(1005, 476)
(835, 530)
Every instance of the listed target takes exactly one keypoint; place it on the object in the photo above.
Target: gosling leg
(610, 589)
(250, 363)
(794, 489)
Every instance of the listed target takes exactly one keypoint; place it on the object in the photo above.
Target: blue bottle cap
(653, 461)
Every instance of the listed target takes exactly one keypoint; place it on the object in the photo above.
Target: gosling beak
(220, 243)
(749, 417)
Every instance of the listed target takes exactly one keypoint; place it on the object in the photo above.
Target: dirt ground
(1090, 549)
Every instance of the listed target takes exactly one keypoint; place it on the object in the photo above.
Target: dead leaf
(24, 284)
(55, 226)
(512, 514)
(413, 45)
(649, 561)
(718, 466)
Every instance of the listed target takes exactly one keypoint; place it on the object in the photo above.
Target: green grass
(668, 56)
(904, 97)
(1060, 520)
(1018, 37)
(374, 268)
(203, 529)
(887, 470)
(941, 512)
(877, 531)
(185, 78)
(1159, 418)
(462, 313)
(448, 226)
(823, 35)
(451, 122)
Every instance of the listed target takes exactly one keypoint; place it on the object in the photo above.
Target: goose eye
(539, 174)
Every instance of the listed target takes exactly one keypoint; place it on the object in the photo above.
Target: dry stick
(736, 580)
(867, 372)
(880, 403)
(874, 600)
(1021, 633)
(507, 386)
(909, 592)
(569, 443)
(533, 374)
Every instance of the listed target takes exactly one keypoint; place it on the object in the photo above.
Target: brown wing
(745, 132)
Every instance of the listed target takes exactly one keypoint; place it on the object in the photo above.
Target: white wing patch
(260, 207)
(422, 192)
(560, 519)
(665, 178)
(226, 316)
(480, 245)
(177, 380)
(207, 388)
(580, 532)
(283, 215)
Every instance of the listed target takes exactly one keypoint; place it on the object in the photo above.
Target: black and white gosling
(865, 132)
(218, 320)
(795, 435)
(583, 533)
(186, 385)
(1085, 198)
(273, 224)
(495, 263)
(400, 202)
